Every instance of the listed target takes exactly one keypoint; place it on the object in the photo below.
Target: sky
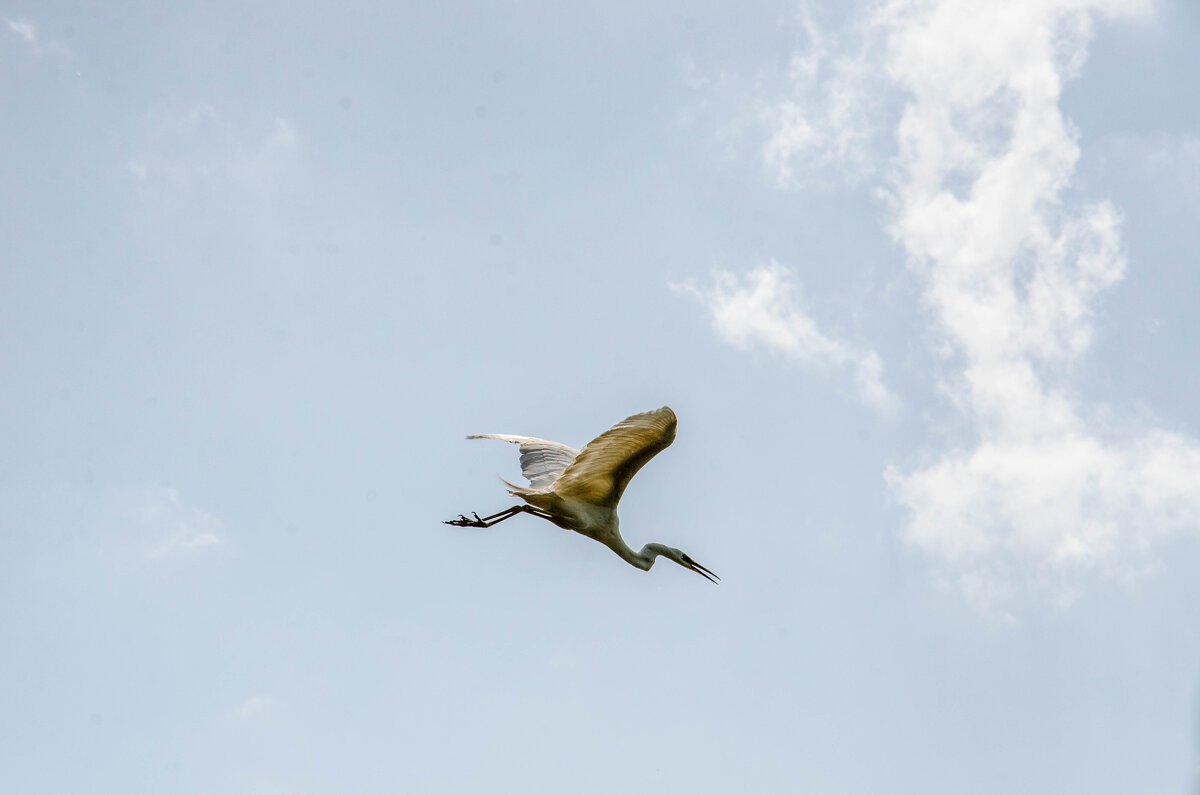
(917, 276)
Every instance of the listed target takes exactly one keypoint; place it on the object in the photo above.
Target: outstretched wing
(541, 461)
(603, 468)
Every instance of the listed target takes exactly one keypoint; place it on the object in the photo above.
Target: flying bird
(579, 489)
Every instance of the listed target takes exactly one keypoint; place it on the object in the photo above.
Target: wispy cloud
(177, 528)
(201, 147)
(764, 310)
(252, 707)
(1044, 493)
(26, 31)
(823, 128)
(829, 119)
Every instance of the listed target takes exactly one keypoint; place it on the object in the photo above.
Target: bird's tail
(519, 491)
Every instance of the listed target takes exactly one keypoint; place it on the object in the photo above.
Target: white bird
(579, 489)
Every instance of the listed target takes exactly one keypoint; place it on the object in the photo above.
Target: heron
(579, 489)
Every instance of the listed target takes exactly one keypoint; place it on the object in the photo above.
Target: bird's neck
(644, 559)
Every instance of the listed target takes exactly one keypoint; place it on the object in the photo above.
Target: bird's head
(682, 558)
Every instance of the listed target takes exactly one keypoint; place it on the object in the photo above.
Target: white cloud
(828, 120)
(177, 528)
(201, 147)
(26, 30)
(764, 310)
(252, 707)
(137, 168)
(1045, 493)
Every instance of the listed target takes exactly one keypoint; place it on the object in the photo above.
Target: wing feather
(542, 461)
(602, 470)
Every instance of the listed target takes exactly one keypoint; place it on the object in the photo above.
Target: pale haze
(918, 278)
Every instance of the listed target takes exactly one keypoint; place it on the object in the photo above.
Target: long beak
(703, 572)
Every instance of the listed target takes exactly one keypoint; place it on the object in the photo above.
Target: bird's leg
(538, 512)
(487, 521)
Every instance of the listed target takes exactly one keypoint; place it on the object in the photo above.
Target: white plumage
(541, 461)
(579, 489)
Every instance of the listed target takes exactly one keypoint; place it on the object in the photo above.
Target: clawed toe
(463, 521)
(488, 521)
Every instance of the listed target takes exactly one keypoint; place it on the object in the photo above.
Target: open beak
(703, 572)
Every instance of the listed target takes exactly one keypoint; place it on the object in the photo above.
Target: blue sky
(917, 278)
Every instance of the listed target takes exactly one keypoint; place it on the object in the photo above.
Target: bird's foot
(463, 521)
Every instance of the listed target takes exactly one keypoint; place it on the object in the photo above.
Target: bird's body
(579, 489)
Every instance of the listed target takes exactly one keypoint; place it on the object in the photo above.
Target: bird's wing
(541, 461)
(603, 468)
